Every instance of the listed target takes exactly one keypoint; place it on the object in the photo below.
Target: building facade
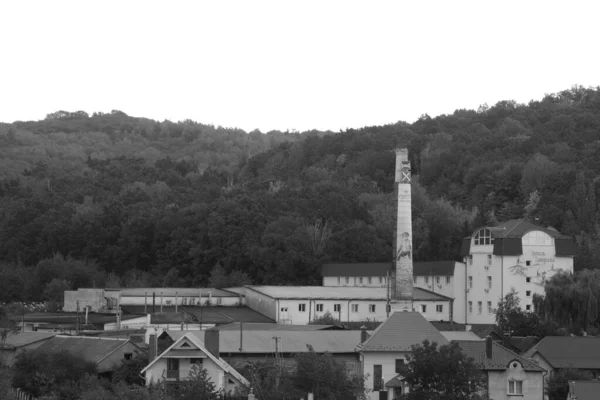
(513, 255)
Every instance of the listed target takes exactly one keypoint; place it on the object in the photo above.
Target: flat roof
(217, 315)
(182, 292)
(339, 293)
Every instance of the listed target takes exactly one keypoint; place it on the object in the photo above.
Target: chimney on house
(211, 341)
(488, 346)
(506, 340)
(152, 348)
(363, 334)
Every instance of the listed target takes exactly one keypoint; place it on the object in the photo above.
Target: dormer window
(483, 237)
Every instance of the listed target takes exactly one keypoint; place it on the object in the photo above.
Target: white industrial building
(516, 255)
(303, 304)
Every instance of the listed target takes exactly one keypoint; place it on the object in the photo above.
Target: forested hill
(278, 215)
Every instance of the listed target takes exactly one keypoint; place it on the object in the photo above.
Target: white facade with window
(516, 255)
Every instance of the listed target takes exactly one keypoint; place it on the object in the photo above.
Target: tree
(557, 385)
(516, 322)
(219, 278)
(325, 319)
(198, 385)
(441, 373)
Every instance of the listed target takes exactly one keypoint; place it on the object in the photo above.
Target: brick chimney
(488, 346)
(152, 348)
(211, 341)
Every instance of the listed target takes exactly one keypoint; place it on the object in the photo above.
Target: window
(319, 307)
(426, 280)
(447, 280)
(483, 237)
(490, 310)
(515, 387)
(423, 308)
(479, 307)
(489, 259)
(381, 280)
(354, 307)
(528, 280)
(528, 307)
(370, 280)
(302, 307)
(399, 365)
(437, 280)
(528, 263)
(470, 307)
(197, 361)
(284, 309)
(128, 356)
(415, 279)
(377, 378)
(489, 282)
(347, 280)
(360, 280)
(470, 282)
(528, 293)
(470, 260)
(371, 308)
(337, 307)
(439, 308)
(339, 280)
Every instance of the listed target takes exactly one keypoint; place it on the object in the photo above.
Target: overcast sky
(290, 64)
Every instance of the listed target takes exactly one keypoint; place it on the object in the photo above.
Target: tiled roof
(401, 331)
(500, 359)
(262, 342)
(91, 349)
(523, 343)
(15, 340)
(434, 268)
(584, 390)
(568, 351)
(356, 269)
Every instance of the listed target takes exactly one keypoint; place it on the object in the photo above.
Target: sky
(290, 65)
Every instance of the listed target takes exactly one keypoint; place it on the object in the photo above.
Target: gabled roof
(92, 349)
(568, 351)
(262, 342)
(584, 390)
(434, 268)
(400, 331)
(356, 269)
(20, 339)
(501, 356)
(200, 345)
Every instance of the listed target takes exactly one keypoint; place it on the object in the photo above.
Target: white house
(176, 362)
(302, 304)
(515, 254)
(384, 353)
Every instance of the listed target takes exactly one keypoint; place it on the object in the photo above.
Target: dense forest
(162, 203)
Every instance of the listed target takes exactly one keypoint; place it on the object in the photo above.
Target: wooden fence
(18, 394)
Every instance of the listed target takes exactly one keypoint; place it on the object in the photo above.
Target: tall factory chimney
(402, 277)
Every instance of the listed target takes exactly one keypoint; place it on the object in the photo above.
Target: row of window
(438, 280)
(439, 308)
(489, 282)
(489, 259)
(490, 309)
(360, 280)
(319, 307)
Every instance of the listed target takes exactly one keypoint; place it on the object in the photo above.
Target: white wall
(185, 300)
(387, 360)
(158, 371)
(373, 281)
(431, 313)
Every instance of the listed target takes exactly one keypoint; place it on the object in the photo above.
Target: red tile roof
(401, 331)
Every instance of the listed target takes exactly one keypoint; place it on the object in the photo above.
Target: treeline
(278, 215)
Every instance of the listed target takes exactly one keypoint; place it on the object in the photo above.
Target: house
(446, 278)
(384, 353)
(557, 352)
(16, 342)
(106, 353)
(175, 363)
(514, 254)
(583, 390)
(508, 374)
(244, 346)
(303, 304)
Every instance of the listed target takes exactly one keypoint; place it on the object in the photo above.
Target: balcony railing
(173, 374)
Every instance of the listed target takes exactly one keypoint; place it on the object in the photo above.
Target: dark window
(399, 365)
(185, 345)
(528, 263)
(377, 378)
(128, 356)
(527, 280)
(197, 361)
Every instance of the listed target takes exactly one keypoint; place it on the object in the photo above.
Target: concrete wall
(533, 383)
(387, 360)
(179, 300)
(113, 361)
(94, 298)
(258, 302)
(431, 313)
(289, 311)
